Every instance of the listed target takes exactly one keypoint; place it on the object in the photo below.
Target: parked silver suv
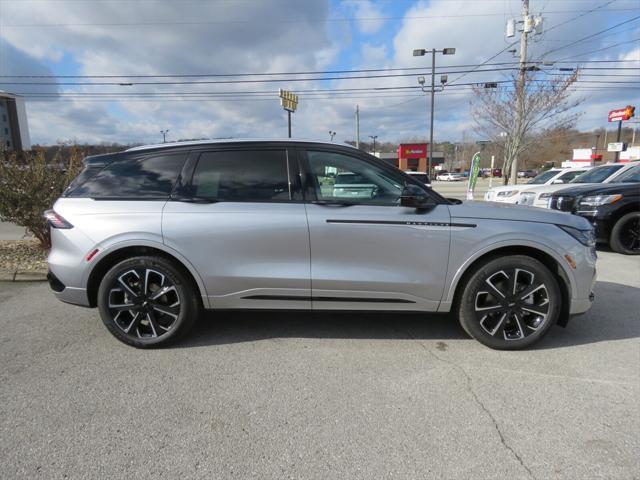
(153, 235)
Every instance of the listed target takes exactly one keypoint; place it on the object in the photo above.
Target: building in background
(412, 156)
(14, 131)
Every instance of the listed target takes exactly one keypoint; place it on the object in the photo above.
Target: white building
(14, 130)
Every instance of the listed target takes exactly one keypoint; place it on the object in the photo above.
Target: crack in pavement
(477, 400)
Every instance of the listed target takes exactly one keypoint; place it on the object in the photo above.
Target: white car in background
(511, 193)
(607, 173)
(450, 177)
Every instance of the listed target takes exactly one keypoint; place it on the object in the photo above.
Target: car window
(597, 175)
(242, 175)
(543, 177)
(568, 176)
(146, 177)
(630, 176)
(367, 183)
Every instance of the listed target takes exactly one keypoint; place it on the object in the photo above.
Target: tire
(155, 318)
(499, 319)
(625, 234)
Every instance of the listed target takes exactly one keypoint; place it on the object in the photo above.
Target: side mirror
(558, 181)
(414, 197)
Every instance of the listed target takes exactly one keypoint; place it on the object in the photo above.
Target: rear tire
(147, 302)
(509, 303)
(625, 234)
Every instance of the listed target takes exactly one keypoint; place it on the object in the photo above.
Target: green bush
(29, 185)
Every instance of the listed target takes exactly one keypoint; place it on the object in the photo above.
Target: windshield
(544, 177)
(597, 175)
(630, 176)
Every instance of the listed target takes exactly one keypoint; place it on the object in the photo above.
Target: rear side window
(145, 177)
(242, 175)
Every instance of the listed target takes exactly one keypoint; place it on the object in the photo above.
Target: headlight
(508, 193)
(597, 200)
(585, 237)
(526, 198)
(545, 195)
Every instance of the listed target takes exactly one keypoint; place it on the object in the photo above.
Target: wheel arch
(554, 266)
(123, 252)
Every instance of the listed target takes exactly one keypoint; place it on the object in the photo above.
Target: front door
(367, 251)
(240, 224)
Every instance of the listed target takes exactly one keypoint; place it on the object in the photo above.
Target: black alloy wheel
(625, 235)
(146, 301)
(510, 302)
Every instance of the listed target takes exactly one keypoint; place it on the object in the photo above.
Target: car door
(367, 251)
(240, 220)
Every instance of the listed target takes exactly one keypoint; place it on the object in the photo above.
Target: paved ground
(320, 396)
(9, 231)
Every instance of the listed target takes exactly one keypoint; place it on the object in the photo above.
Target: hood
(556, 186)
(597, 189)
(519, 187)
(510, 212)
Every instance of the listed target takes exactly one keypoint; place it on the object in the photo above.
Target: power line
(602, 49)
(262, 21)
(590, 36)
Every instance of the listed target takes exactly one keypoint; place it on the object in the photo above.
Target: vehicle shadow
(614, 316)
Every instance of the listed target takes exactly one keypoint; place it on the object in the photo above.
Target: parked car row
(608, 196)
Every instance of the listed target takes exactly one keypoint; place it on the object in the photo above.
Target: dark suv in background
(612, 208)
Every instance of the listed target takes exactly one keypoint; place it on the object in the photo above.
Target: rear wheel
(510, 303)
(625, 234)
(147, 302)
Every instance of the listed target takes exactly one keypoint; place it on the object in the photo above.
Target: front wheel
(625, 234)
(147, 302)
(510, 303)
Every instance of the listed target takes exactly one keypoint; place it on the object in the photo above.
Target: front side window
(338, 177)
(242, 175)
(146, 177)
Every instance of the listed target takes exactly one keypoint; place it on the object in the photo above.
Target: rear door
(240, 220)
(368, 252)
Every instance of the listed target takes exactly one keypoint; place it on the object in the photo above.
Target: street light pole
(433, 97)
(164, 135)
(420, 53)
(374, 142)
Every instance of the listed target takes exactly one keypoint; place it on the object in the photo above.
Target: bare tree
(546, 106)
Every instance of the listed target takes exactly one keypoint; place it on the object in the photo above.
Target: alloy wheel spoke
(167, 310)
(127, 288)
(135, 322)
(530, 291)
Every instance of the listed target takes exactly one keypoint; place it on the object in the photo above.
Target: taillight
(55, 220)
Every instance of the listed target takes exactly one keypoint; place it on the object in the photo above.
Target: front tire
(147, 302)
(509, 303)
(625, 234)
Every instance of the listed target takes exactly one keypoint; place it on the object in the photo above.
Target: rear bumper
(73, 295)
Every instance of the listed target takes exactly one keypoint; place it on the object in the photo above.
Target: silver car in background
(153, 235)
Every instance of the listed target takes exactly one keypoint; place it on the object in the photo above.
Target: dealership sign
(412, 150)
(622, 114)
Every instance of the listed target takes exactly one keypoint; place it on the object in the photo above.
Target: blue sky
(164, 37)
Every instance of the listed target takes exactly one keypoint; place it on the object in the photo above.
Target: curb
(18, 276)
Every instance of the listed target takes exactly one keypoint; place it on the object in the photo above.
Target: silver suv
(153, 235)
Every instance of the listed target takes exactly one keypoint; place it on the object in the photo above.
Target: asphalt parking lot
(299, 395)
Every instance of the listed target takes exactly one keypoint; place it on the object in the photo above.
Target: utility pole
(520, 86)
(617, 159)
(357, 126)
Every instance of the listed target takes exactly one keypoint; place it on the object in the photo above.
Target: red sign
(622, 114)
(412, 150)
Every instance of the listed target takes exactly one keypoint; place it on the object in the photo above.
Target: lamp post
(374, 142)
(164, 135)
(331, 135)
(421, 52)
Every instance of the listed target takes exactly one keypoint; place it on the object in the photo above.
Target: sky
(155, 39)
